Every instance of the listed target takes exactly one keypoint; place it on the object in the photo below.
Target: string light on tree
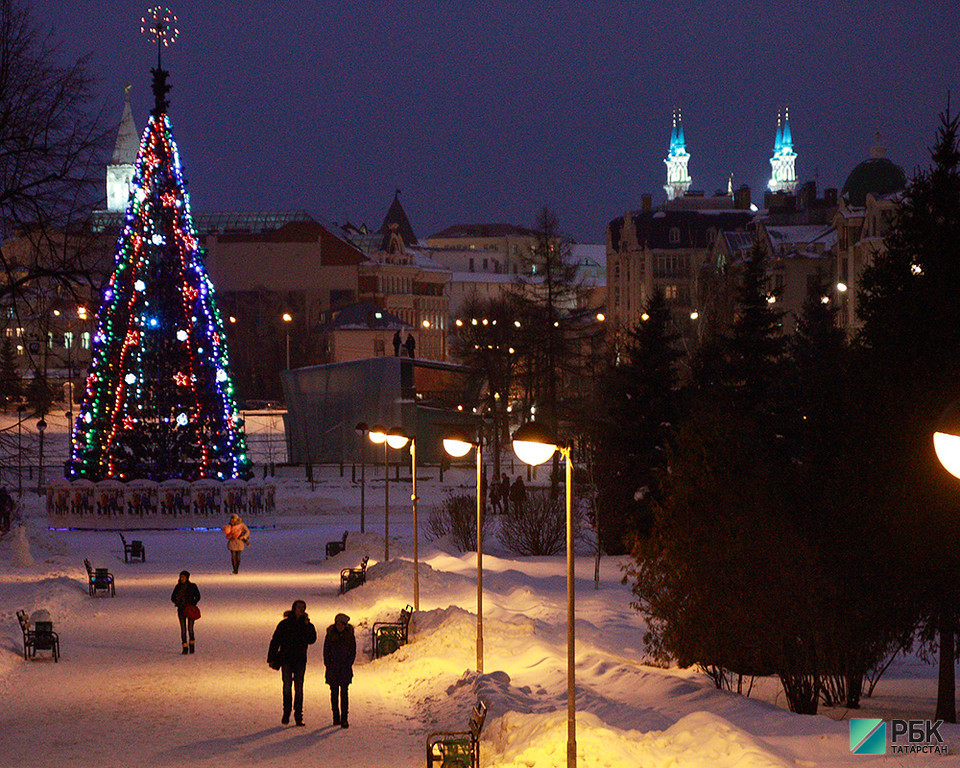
(159, 400)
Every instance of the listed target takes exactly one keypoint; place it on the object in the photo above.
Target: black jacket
(290, 641)
(339, 652)
(185, 594)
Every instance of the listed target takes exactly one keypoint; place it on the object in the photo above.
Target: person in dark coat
(410, 344)
(495, 507)
(6, 510)
(518, 494)
(288, 653)
(339, 652)
(186, 593)
(505, 492)
(397, 343)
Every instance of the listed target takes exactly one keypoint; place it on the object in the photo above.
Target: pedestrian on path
(238, 537)
(185, 596)
(288, 653)
(339, 652)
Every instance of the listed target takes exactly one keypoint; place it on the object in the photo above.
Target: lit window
(85, 340)
(674, 235)
(68, 340)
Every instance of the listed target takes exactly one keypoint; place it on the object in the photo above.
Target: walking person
(238, 537)
(495, 507)
(288, 653)
(339, 652)
(518, 494)
(397, 343)
(185, 596)
(410, 344)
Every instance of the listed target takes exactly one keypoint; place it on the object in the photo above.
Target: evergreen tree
(911, 334)
(10, 381)
(159, 400)
(637, 409)
(549, 299)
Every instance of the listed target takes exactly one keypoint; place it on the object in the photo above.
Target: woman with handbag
(185, 596)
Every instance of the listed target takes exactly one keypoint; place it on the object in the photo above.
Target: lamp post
(458, 446)
(287, 319)
(20, 410)
(362, 430)
(534, 445)
(946, 442)
(41, 426)
(378, 436)
(397, 439)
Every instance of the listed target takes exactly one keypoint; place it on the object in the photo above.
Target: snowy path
(123, 694)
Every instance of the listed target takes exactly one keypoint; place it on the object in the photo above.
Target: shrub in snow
(540, 528)
(456, 517)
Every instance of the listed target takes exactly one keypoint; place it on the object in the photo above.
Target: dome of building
(877, 176)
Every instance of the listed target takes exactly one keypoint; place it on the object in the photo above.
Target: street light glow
(842, 287)
(456, 446)
(397, 438)
(377, 434)
(287, 317)
(533, 444)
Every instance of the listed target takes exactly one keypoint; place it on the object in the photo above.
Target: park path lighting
(287, 319)
(362, 430)
(41, 426)
(946, 442)
(534, 445)
(397, 439)
(458, 446)
(378, 436)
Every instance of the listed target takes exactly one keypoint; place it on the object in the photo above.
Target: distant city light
(694, 315)
(842, 287)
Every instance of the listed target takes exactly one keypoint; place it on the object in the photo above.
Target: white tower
(120, 170)
(678, 179)
(783, 174)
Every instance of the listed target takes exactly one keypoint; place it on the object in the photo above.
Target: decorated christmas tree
(159, 400)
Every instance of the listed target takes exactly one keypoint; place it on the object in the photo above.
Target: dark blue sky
(486, 111)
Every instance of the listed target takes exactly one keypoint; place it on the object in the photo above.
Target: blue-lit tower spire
(783, 176)
(678, 179)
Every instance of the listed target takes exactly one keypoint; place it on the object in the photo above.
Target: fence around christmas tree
(144, 504)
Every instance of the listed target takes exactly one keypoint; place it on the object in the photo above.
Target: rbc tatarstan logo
(868, 736)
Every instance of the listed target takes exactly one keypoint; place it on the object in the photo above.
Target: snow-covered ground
(123, 695)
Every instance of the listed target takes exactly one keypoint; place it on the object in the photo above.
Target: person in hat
(339, 652)
(288, 653)
(185, 596)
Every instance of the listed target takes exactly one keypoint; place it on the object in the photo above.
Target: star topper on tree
(160, 26)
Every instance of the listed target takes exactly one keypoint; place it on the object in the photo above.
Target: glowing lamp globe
(534, 444)
(946, 440)
(457, 445)
(377, 434)
(397, 438)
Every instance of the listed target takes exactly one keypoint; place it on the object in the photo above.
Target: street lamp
(534, 445)
(287, 319)
(41, 426)
(362, 429)
(457, 445)
(397, 439)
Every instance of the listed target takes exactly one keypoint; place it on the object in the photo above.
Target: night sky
(484, 112)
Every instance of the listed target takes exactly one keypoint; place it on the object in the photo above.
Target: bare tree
(51, 150)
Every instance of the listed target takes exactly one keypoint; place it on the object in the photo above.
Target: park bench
(99, 580)
(336, 547)
(458, 749)
(40, 638)
(353, 577)
(390, 635)
(134, 549)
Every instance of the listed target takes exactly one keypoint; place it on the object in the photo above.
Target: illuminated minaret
(678, 179)
(783, 176)
(120, 170)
